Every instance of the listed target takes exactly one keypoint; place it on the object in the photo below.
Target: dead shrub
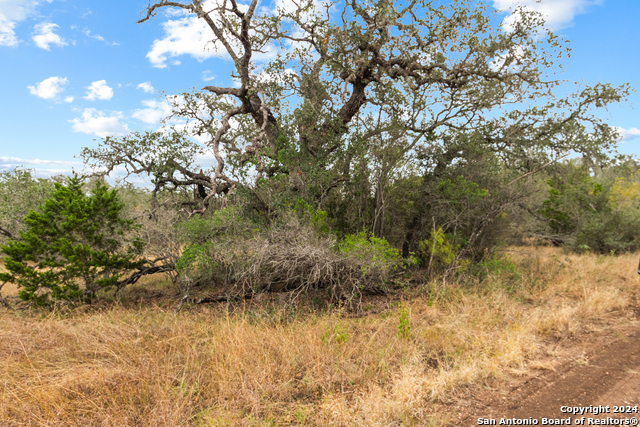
(290, 257)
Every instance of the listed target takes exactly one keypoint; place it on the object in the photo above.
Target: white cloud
(627, 134)
(99, 90)
(48, 88)
(97, 123)
(207, 76)
(157, 111)
(146, 87)
(16, 160)
(96, 36)
(154, 113)
(7, 35)
(69, 99)
(12, 12)
(39, 172)
(87, 33)
(557, 13)
(291, 6)
(203, 138)
(189, 35)
(286, 6)
(44, 35)
(176, 12)
(43, 168)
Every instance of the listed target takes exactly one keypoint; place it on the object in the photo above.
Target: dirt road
(601, 371)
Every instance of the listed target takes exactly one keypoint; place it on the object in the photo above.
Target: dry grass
(268, 366)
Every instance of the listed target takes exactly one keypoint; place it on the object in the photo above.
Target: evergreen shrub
(75, 245)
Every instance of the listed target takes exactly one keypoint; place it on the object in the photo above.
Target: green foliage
(226, 253)
(569, 195)
(438, 251)
(404, 329)
(156, 153)
(465, 196)
(211, 241)
(339, 335)
(76, 245)
(192, 255)
(625, 192)
(496, 266)
(221, 222)
(369, 145)
(20, 192)
(316, 218)
(593, 212)
(608, 232)
(375, 251)
(459, 191)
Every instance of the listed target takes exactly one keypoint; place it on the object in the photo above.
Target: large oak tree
(355, 81)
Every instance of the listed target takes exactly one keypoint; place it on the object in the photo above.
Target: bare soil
(595, 369)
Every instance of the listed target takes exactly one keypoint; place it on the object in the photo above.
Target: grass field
(139, 363)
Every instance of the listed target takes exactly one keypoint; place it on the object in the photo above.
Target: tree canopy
(336, 99)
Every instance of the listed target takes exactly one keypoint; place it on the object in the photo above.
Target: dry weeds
(269, 366)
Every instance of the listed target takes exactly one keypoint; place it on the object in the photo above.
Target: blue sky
(73, 71)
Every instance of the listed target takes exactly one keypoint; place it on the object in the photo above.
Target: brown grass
(271, 366)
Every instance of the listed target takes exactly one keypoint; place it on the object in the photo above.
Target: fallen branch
(6, 233)
(144, 271)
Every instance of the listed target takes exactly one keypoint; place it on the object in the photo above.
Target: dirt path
(599, 370)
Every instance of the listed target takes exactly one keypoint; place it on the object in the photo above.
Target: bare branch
(151, 10)
(6, 233)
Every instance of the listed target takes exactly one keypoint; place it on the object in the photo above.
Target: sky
(73, 71)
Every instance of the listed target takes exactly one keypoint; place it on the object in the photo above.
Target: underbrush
(233, 257)
(269, 363)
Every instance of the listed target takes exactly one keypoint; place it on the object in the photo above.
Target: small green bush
(75, 246)
(404, 328)
(437, 252)
(375, 252)
(496, 265)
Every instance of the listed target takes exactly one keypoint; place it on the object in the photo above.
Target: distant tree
(168, 160)
(593, 210)
(20, 191)
(75, 245)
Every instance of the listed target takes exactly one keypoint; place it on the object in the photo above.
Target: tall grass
(269, 366)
